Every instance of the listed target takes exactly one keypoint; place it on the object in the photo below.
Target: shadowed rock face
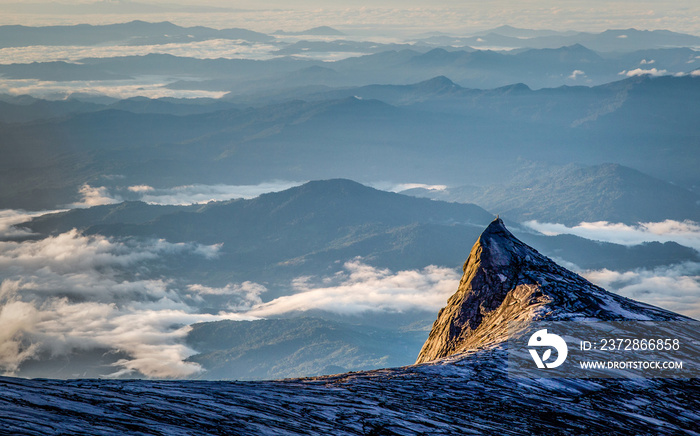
(506, 282)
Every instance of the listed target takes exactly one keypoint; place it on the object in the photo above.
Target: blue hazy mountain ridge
(564, 65)
(364, 139)
(537, 68)
(128, 212)
(613, 40)
(140, 32)
(294, 347)
(168, 65)
(317, 31)
(363, 47)
(311, 229)
(480, 69)
(519, 32)
(24, 108)
(397, 95)
(454, 392)
(442, 89)
(131, 33)
(58, 71)
(304, 230)
(172, 106)
(573, 194)
(474, 72)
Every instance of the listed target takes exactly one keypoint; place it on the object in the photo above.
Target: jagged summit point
(506, 282)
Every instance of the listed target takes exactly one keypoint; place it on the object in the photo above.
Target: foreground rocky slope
(468, 396)
(464, 387)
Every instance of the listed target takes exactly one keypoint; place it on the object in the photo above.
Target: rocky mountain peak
(498, 247)
(507, 282)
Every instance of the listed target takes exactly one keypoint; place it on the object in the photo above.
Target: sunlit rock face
(506, 282)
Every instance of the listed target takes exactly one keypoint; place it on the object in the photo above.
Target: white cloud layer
(144, 86)
(210, 49)
(642, 72)
(72, 292)
(576, 73)
(94, 196)
(199, 193)
(675, 287)
(364, 288)
(9, 219)
(179, 195)
(398, 187)
(683, 232)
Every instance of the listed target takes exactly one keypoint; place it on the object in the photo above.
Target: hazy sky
(390, 16)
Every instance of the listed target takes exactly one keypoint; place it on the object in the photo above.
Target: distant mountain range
(614, 40)
(316, 31)
(541, 59)
(142, 33)
(283, 348)
(430, 133)
(373, 63)
(518, 32)
(314, 228)
(131, 33)
(574, 194)
(14, 109)
(304, 230)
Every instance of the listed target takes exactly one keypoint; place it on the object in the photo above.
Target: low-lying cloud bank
(70, 293)
(398, 187)
(198, 193)
(683, 232)
(178, 195)
(209, 49)
(9, 220)
(95, 196)
(654, 72)
(676, 287)
(363, 288)
(142, 86)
